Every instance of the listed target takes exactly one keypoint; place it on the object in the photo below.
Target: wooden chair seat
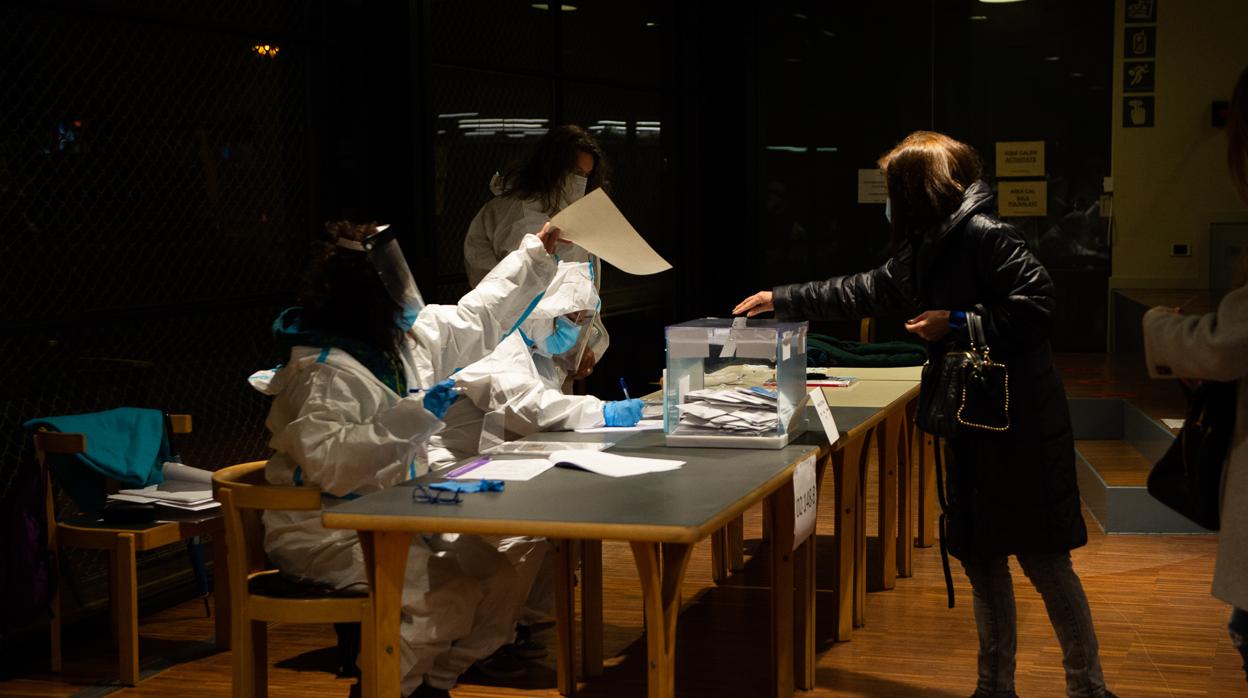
(261, 594)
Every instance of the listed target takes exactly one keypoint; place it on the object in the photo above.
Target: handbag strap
(975, 327)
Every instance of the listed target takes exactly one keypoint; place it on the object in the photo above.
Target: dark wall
(161, 177)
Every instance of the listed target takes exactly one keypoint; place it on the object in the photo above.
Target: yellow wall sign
(1020, 158)
(1018, 199)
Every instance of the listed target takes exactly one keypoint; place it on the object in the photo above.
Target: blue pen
(624, 387)
(468, 467)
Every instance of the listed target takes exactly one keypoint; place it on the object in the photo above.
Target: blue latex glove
(440, 397)
(469, 486)
(622, 413)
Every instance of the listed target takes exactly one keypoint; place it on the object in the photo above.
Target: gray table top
(679, 506)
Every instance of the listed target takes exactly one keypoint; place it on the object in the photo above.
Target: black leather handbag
(966, 391)
(1188, 478)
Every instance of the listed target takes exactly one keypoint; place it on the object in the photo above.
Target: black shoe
(501, 665)
(427, 691)
(525, 647)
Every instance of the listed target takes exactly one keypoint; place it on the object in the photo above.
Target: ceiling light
(977, 18)
(1052, 59)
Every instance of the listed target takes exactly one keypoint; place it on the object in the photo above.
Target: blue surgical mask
(888, 209)
(563, 338)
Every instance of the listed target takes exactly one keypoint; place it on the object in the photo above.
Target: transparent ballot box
(735, 383)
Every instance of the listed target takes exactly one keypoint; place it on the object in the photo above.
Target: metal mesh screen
(155, 206)
(483, 120)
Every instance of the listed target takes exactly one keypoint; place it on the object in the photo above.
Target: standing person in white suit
(564, 165)
(365, 386)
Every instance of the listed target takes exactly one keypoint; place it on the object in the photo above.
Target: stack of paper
(738, 412)
(185, 488)
(612, 464)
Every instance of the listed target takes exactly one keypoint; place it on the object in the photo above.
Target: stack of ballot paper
(184, 488)
(735, 411)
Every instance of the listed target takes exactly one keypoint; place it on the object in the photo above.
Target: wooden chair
(866, 330)
(122, 541)
(244, 495)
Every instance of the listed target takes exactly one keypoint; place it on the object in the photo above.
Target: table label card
(805, 500)
(820, 402)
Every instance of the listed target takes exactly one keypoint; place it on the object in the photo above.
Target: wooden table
(891, 399)
(661, 515)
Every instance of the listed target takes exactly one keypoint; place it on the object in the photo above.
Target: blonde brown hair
(926, 174)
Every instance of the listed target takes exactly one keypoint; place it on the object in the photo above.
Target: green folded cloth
(822, 350)
(127, 444)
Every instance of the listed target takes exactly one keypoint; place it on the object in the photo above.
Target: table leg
(783, 628)
(735, 540)
(860, 538)
(719, 555)
(591, 608)
(905, 494)
(565, 616)
(845, 463)
(385, 558)
(928, 507)
(887, 457)
(661, 568)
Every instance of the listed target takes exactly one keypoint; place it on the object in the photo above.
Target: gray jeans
(995, 617)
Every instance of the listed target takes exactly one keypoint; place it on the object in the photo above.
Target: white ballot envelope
(594, 223)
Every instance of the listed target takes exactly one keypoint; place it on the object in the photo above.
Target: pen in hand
(624, 387)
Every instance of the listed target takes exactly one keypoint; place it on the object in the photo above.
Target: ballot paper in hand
(612, 464)
(595, 224)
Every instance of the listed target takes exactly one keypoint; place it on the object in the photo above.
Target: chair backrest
(244, 495)
(57, 443)
(866, 330)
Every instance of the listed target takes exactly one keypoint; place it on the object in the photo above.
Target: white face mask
(573, 188)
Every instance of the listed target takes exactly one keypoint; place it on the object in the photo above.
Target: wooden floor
(1161, 633)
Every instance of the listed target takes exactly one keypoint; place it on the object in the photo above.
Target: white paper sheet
(511, 469)
(613, 465)
(529, 447)
(1173, 423)
(643, 425)
(181, 471)
(594, 223)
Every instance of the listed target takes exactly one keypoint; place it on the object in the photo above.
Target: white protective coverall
(514, 392)
(496, 230)
(335, 425)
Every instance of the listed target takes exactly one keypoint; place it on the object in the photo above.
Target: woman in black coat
(1011, 493)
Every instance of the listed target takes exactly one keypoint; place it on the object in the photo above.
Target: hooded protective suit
(338, 422)
(497, 229)
(516, 391)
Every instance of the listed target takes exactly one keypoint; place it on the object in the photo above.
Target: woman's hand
(758, 303)
(549, 235)
(931, 325)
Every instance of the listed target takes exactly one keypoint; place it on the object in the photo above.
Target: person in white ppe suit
(517, 391)
(364, 388)
(565, 164)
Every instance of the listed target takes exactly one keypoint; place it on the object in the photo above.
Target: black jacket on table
(1009, 493)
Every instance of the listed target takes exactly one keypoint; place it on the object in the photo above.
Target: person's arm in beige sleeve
(1208, 347)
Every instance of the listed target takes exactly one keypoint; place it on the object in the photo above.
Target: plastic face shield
(556, 345)
(387, 258)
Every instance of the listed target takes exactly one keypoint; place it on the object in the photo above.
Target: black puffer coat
(1008, 493)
